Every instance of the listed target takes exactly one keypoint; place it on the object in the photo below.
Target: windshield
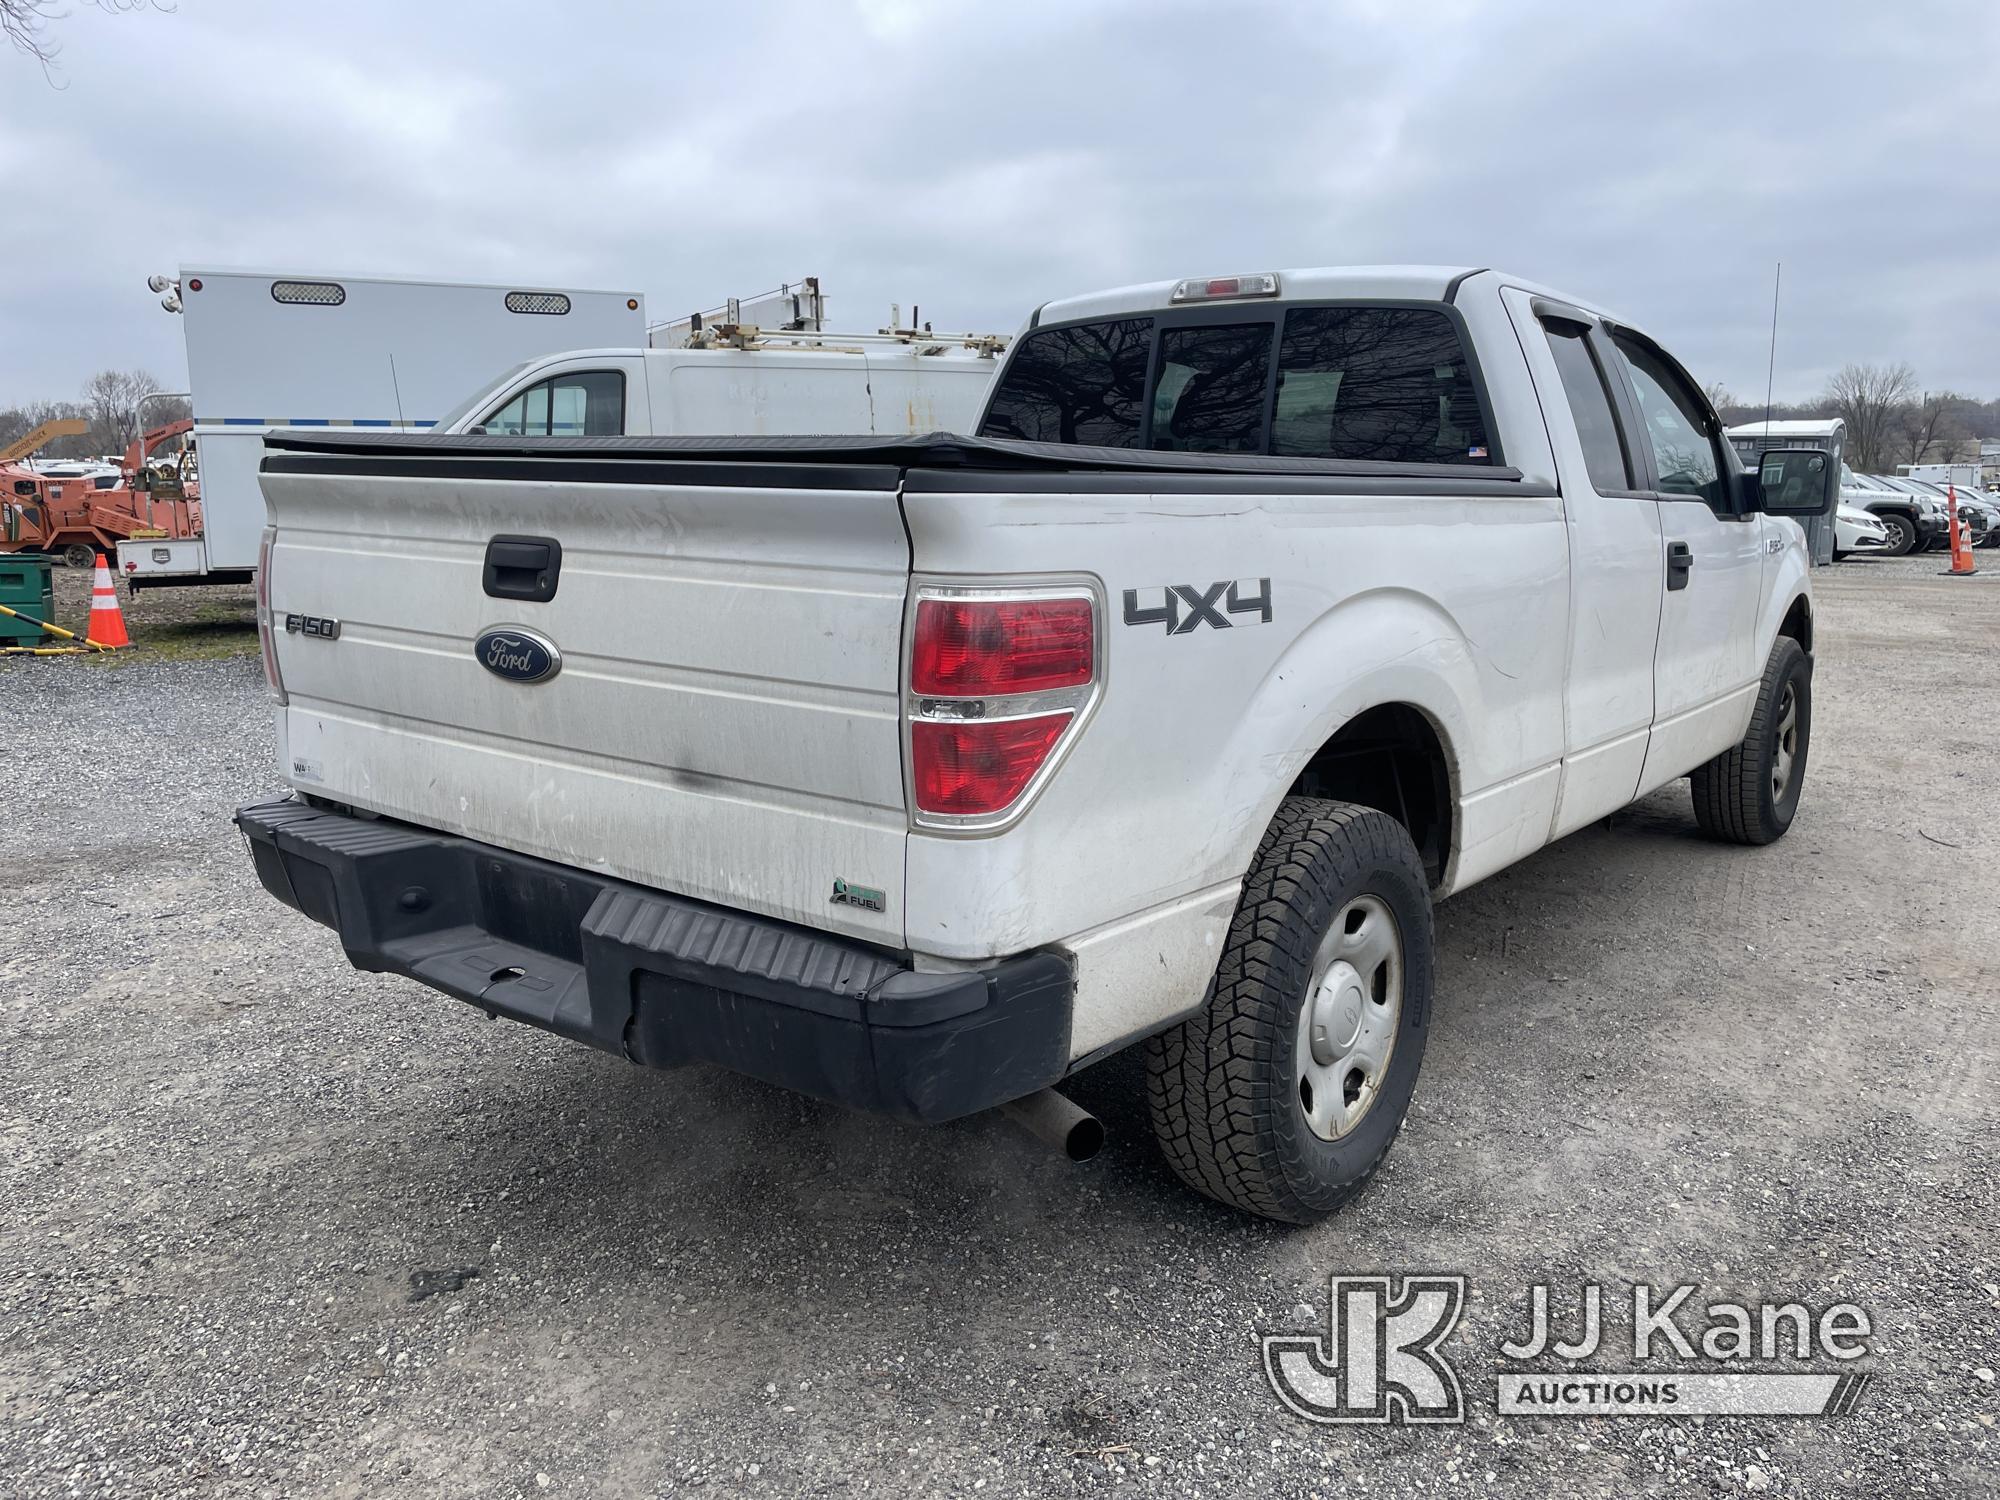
(452, 418)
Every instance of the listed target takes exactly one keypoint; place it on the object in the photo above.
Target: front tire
(1902, 534)
(1750, 793)
(1283, 1095)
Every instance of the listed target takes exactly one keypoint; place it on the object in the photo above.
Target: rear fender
(1380, 647)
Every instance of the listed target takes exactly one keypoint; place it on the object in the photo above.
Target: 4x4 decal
(1186, 606)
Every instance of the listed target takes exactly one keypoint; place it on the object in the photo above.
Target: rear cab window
(1082, 384)
(1384, 382)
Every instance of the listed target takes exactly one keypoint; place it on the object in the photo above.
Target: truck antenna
(1771, 369)
(396, 386)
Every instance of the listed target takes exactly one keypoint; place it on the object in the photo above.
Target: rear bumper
(662, 980)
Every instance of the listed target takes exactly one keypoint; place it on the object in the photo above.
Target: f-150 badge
(319, 627)
(1187, 606)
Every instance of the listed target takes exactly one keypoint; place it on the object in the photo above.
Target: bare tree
(25, 23)
(1719, 395)
(18, 421)
(111, 402)
(1868, 398)
(1930, 423)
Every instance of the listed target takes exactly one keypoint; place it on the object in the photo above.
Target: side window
(1209, 397)
(1084, 384)
(535, 421)
(1684, 451)
(511, 419)
(1604, 455)
(1384, 383)
(589, 403)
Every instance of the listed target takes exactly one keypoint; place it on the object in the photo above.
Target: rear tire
(1839, 556)
(77, 555)
(1749, 794)
(1902, 534)
(1285, 1092)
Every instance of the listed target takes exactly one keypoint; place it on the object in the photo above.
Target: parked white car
(918, 773)
(1856, 530)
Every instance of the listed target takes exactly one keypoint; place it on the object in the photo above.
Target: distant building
(1989, 462)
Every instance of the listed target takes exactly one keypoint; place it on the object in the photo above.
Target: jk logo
(1380, 1360)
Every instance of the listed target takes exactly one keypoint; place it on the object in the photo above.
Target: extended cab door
(1705, 671)
(1616, 581)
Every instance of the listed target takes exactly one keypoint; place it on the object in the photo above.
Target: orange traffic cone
(107, 624)
(1962, 565)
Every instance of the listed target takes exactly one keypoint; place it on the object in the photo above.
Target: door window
(585, 403)
(1682, 435)
(1597, 429)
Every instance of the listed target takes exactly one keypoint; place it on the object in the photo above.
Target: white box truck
(274, 349)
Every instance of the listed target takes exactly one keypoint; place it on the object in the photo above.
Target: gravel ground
(274, 1227)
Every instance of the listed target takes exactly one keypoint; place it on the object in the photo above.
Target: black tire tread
(1728, 791)
(1211, 1083)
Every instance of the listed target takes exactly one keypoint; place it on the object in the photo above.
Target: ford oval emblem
(518, 655)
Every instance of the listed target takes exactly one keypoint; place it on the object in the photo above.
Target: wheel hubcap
(1347, 1025)
(1787, 747)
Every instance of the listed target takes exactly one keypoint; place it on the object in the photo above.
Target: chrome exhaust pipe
(1049, 1117)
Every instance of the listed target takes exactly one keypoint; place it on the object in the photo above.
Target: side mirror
(1797, 482)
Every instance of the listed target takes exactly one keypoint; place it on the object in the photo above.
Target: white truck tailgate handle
(523, 567)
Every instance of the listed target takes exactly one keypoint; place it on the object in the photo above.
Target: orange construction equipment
(43, 435)
(77, 518)
(107, 621)
(1962, 565)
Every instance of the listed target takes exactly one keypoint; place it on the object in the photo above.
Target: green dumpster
(27, 587)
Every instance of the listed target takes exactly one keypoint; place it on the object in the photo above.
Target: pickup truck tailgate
(724, 721)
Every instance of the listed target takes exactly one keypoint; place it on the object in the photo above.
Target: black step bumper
(663, 980)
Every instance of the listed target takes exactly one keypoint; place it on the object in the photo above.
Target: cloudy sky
(981, 158)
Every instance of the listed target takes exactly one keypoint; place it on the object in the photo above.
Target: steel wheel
(1785, 743)
(1347, 1025)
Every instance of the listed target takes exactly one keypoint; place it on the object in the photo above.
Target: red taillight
(969, 768)
(972, 648)
(999, 685)
(267, 640)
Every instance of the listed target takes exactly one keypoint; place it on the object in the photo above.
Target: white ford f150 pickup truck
(918, 773)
